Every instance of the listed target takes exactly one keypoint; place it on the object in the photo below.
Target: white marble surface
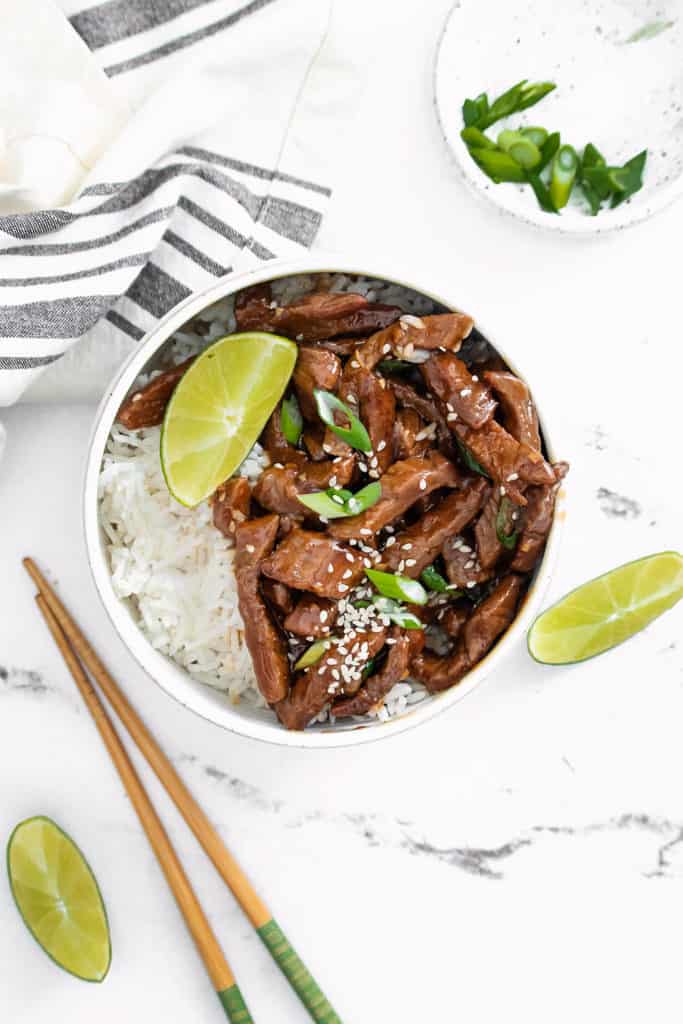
(520, 857)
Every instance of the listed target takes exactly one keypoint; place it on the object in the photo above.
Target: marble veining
(618, 506)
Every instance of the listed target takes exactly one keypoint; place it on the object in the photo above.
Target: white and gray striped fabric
(207, 175)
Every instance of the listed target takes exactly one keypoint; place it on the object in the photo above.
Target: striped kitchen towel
(154, 148)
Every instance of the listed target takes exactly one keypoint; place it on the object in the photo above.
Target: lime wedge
(218, 410)
(608, 610)
(58, 898)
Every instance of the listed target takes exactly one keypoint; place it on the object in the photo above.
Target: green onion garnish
(400, 588)
(312, 655)
(399, 615)
(563, 174)
(522, 150)
(394, 366)
(433, 580)
(291, 420)
(355, 434)
(537, 134)
(469, 459)
(508, 540)
(338, 503)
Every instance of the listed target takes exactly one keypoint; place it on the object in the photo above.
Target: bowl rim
(626, 215)
(203, 700)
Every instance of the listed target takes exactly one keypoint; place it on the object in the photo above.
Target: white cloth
(166, 131)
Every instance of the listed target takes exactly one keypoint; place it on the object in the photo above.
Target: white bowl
(212, 704)
(617, 67)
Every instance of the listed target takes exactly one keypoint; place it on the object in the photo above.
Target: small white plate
(618, 67)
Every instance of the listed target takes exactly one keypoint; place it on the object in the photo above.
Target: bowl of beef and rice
(261, 613)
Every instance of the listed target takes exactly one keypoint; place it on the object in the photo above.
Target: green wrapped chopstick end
(233, 1003)
(297, 974)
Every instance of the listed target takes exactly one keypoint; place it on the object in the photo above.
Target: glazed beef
(312, 617)
(448, 378)
(254, 540)
(404, 646)
(489, 546)
(276, 444)
(378, 413)
(519, 412)
(538, 518)
(510, 464)
(430, 411)
(278, 488)
(315, 317)
(146, 407)
(418, 545)
(231, 505)
(407, 427)
(445, 331)
(315, 562)
(278, 596)
(402, 485)
(319, 684)
(315, 368)
(491, 618)
(462, 566)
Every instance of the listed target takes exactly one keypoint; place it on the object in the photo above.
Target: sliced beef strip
(430, 411)
(404, 646)
(316, 687)
(312, 616)
(146, 407)
(448, 378)
(489, 548)
(315, 562)
(231, 504)
(407, 426)
(316, 317)
(519, 412)
(340, 346)
(377, 413)
(277, 595)
(443, 331)
(509, 463)
(254, 540)
(313, 438)
(462, 566)
(418, 545)
(402, 485)
(455, 618)
(315, 368)
(491, 618)
(538, 518)
(278, 487)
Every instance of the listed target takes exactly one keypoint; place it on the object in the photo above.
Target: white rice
(171, 566)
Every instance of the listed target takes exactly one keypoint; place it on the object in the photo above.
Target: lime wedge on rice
(218, 410)
(608, 610)
(58, 898)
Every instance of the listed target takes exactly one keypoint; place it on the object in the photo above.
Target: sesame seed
(470, 564)
(502, 492)
(514, 515)
(374, 462)
(381, 446)
(513, 476)
(389, 529)
(327, 448)
(401, 565)
(465, 392)
(333, 481)
(475, 378)
(362, 467)
(471, 584)
(335, 673)
(347, 574)
(367, 563)
(331, 661)
(449, 406)
(364, 530)
(324, 615)
(278, 465)
(251, 549)
(406, 547)
(423, 484)
(339, 501)
(466, 548)
(342, 588)
(330, 567)
(411, 561)
(355, 365)
(386, 349)
(390, 640)
(323, 520)
(350, 398)
(390, 541)
(349, 557)
(452, 416)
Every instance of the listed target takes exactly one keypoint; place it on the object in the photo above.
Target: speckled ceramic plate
(618, 66)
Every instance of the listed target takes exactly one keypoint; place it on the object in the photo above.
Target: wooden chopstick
(206, 942)
(269, 931)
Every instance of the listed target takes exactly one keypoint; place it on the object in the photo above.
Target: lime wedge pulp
(607, 610)
(58, 898)
(218, 410)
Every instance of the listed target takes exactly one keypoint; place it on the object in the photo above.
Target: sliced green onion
(508, 540)
(433, 580)
(338, 503)
(355, 434)
(497, 165)
(540, 191)
(563, 175)
(520, 148)
(471, 136)
(474, 110)
(312, 655)
(361, 604)
(400, 588)
(548, 150)
(537, 134)
(324, 505)
(291, 420)
(628, 178)
(519, 97)
(469, 459)
(592, 157)
(364, 499)
(399, 615)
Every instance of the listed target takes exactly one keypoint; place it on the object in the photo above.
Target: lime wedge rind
(652, 585)
(99, 965)
(218, 410)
